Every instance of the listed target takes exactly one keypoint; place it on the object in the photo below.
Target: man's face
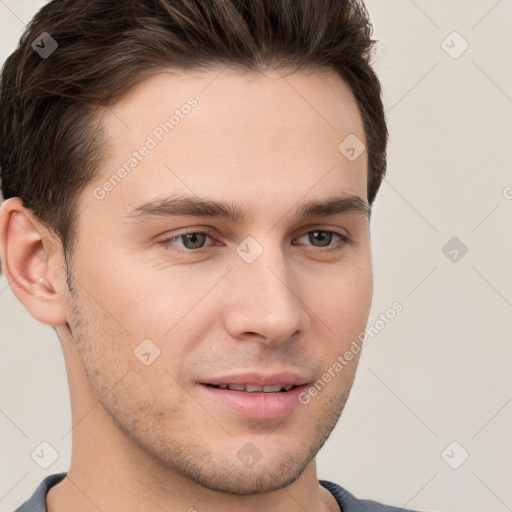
(270, 298)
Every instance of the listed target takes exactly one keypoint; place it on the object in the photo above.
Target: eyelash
(167, 242)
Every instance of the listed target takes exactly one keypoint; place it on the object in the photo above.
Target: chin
(260, 478)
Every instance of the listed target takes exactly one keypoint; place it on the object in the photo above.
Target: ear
(26, 248)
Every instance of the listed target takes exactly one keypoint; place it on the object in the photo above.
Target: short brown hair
(51, 142)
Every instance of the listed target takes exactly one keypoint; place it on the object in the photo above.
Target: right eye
(191, 241)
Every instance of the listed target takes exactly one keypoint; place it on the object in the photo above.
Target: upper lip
(259, 379)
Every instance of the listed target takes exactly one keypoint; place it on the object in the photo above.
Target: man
(188, 187)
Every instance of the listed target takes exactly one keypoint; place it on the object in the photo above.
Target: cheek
(170, 303)
(344, 299)
(145, 301)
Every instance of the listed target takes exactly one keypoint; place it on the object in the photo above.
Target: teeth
(272, 389)
(236, 387)
(251, 388)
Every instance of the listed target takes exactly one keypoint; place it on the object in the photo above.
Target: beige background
(440, 371)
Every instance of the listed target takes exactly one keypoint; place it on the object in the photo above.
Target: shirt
(346, 501)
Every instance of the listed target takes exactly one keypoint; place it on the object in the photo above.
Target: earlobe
(26, 249)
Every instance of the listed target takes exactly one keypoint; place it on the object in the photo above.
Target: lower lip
(258, 404)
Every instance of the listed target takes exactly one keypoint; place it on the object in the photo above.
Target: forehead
(224, 133)
(312, 99)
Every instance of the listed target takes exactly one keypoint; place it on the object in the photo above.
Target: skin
(146, 437)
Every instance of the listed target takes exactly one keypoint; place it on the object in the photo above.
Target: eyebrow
(194, 206)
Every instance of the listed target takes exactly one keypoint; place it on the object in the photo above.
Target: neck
(102, 489)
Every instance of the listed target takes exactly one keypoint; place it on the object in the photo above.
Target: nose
(264, 299)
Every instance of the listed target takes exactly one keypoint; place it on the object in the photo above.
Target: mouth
(263, 402)
(251, 388)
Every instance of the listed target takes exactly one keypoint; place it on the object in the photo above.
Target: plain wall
(439, 372)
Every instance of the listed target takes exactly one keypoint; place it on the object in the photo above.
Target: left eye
(197, 240)
(324, 237)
